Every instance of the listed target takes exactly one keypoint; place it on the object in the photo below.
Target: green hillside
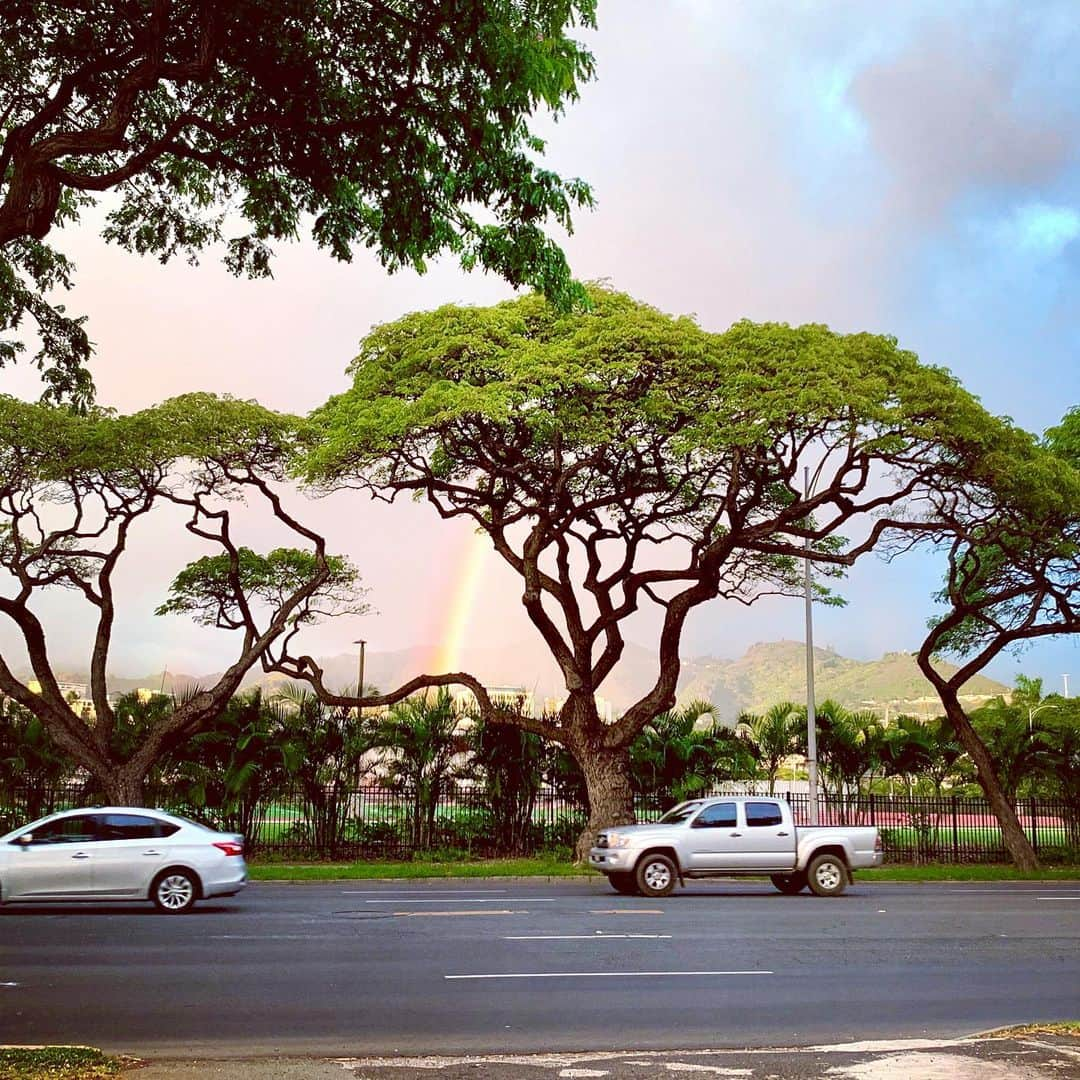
(776, 671)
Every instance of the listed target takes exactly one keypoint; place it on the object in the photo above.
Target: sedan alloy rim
(175, 891)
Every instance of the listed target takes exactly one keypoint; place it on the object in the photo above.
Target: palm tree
(420, 735)
(676, 756)
(774, 737)
(329, 749)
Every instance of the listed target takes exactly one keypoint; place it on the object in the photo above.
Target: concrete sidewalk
(1023, 1057)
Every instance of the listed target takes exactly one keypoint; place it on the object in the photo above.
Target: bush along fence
(375, 822)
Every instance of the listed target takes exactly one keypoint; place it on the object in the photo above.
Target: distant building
(505, 697)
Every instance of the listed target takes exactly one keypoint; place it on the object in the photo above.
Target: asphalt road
(455, 967)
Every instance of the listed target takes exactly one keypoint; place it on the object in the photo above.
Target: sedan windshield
(678, 814)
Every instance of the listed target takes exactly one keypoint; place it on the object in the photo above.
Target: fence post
(1034, 825)
(955, 832)
(872, 816)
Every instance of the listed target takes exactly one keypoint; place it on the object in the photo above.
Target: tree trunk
(1017, 843)
(611, 798)
(122, 786)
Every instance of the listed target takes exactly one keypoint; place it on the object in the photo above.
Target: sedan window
(78, 829)
(132, 827)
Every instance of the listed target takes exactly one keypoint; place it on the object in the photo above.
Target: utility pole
(360, 676)
(811, 717)
(1066, 680)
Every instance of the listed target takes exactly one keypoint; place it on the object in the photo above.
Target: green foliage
(511, 763)
(684, 753)
(421, 738)
(57, 1063)
(400, 127)
(212, 589)
(773, 737)
(30, 763)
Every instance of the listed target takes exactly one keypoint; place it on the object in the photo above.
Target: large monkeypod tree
(400, 125)
(73, 491)
(621, 459)
(1013, 577)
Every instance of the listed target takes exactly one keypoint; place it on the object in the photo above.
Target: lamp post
(360, 675)
(1065, 678)
(811, 717)
(1034, 711)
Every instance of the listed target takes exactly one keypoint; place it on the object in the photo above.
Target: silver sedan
(120, 853)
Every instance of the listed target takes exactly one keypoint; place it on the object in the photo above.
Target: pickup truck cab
(733, 835)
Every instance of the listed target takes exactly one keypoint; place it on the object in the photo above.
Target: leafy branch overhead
(402, 126)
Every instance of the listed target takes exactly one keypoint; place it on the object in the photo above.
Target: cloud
(945, 115)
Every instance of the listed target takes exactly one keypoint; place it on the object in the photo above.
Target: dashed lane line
(467, 900)
(433, 914)
(602, 974)
(581, 937)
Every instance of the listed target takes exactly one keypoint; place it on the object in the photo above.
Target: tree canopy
(400, 125)
(73, 489)
(621, 459)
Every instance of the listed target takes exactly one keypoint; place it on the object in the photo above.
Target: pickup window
(678, 814)
(718, 816)
(763, 813)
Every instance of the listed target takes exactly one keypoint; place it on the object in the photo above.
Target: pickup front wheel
(827, 875)
(655, 875)
(789, 884)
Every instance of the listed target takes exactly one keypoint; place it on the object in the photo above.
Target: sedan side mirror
(25, 840)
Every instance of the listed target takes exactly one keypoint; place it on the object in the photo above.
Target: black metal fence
(380, 822)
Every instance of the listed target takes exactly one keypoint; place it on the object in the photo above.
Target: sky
(910, 169)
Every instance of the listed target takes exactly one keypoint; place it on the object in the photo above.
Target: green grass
(57, 1063)
(535, 867)
(967, 872)
(555, 867)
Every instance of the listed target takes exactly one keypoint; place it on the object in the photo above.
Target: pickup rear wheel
(828, 875)
(623, 883)
(789, 884)
(655, 875)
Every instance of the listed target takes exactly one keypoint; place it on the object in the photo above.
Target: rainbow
(462, 604)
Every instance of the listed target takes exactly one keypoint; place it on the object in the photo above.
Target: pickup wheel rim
(657, 875)
(827, 875)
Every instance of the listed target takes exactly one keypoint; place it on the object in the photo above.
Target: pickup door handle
(80, 855)
(781, 834)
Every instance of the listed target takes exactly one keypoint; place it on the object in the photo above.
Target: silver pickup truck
(729, 835)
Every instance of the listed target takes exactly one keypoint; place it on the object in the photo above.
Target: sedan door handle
(80, 855)
(151, 852)
(781, 834)
(736, 834)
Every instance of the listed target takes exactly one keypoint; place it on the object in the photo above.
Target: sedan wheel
(174, 892)
(655, 875)
(828, 875)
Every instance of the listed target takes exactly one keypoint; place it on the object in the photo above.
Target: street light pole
(811, 717)
(1066, 679)
(360, 675)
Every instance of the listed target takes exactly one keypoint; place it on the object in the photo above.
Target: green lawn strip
(540, 867)
(415, 869)
(57, 1063)
(1070, 1028)
(967, 872)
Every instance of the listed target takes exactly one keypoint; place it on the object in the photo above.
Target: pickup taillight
(230, 847)
(878, 845)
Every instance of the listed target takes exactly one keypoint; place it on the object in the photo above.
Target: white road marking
(8, 984)
(484, 913)
(583, 1072)
(627, 911)
(466, 900)
(1057, 897)
(601, 974)
(579, 937)
(717, 1070)
(415, 892)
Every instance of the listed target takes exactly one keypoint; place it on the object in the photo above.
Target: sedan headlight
(615, 839)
